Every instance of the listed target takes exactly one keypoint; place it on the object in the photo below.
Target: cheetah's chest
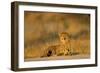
(62, 50)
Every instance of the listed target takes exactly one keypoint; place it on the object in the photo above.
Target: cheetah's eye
(64, 38)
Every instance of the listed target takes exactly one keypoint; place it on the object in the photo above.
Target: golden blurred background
(41, 30)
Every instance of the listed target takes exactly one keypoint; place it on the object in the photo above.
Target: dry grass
(82, 47)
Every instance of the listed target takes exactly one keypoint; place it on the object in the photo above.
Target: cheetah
(62, 49)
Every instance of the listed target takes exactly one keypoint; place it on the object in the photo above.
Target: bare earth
(59, 58)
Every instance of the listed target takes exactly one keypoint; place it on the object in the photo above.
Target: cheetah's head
(64, 37)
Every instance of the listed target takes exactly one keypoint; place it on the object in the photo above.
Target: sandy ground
(59, 58)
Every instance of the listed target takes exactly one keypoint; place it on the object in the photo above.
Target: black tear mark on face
(49, 53)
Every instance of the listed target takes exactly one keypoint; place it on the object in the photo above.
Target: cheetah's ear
(59, 34)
